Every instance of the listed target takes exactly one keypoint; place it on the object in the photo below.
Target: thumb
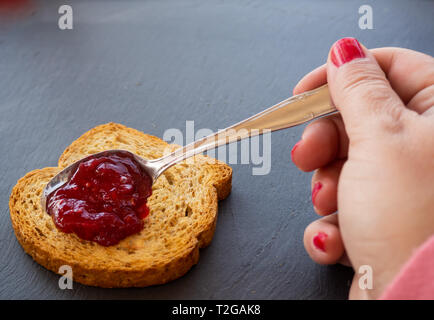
(360, 90)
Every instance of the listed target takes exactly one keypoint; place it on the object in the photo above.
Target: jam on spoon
(104, 200)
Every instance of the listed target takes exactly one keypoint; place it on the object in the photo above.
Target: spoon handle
(288, 113)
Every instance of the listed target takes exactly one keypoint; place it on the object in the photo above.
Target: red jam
(104, 200)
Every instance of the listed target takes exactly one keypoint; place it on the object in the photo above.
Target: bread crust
(182, 219)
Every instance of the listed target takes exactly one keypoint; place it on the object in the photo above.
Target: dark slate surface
(152, 65)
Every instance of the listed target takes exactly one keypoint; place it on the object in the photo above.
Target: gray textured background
(152, 65)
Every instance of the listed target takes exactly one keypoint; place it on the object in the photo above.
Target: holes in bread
(41, 234)
(121, 139)
(48, 225)
(188, 211)
(169, 177)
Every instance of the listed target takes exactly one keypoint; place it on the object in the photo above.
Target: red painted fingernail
(319, 241)
(316, 188)
(345, 50)
(293, 150)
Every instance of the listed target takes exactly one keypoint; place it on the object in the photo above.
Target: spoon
(288, 113)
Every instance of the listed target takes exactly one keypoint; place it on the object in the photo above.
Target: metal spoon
(288, 113)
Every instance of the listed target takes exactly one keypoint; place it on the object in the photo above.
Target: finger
(312, 80)
(423, 100)
(325, 188)
(323, 241)
(323, 141)
(361, 92)
(408, 72)
(429, 112)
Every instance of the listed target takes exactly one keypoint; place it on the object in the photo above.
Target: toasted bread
(182, 219)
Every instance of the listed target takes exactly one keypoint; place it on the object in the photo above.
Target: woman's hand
(374, 161)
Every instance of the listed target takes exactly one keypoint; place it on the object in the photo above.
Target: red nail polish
(316, 188)
(293, 150)
(319, 241)
(345, 50)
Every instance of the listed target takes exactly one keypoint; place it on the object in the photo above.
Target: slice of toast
(182, 219)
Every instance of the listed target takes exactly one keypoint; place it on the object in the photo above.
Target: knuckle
(391, 120)
(369, 88)
(360, 75)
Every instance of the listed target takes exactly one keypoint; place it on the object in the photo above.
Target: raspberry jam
(104, 199)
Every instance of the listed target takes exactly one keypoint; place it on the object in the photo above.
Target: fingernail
(346, 50)
(319, 241)
(293, 150)
(316, 188)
